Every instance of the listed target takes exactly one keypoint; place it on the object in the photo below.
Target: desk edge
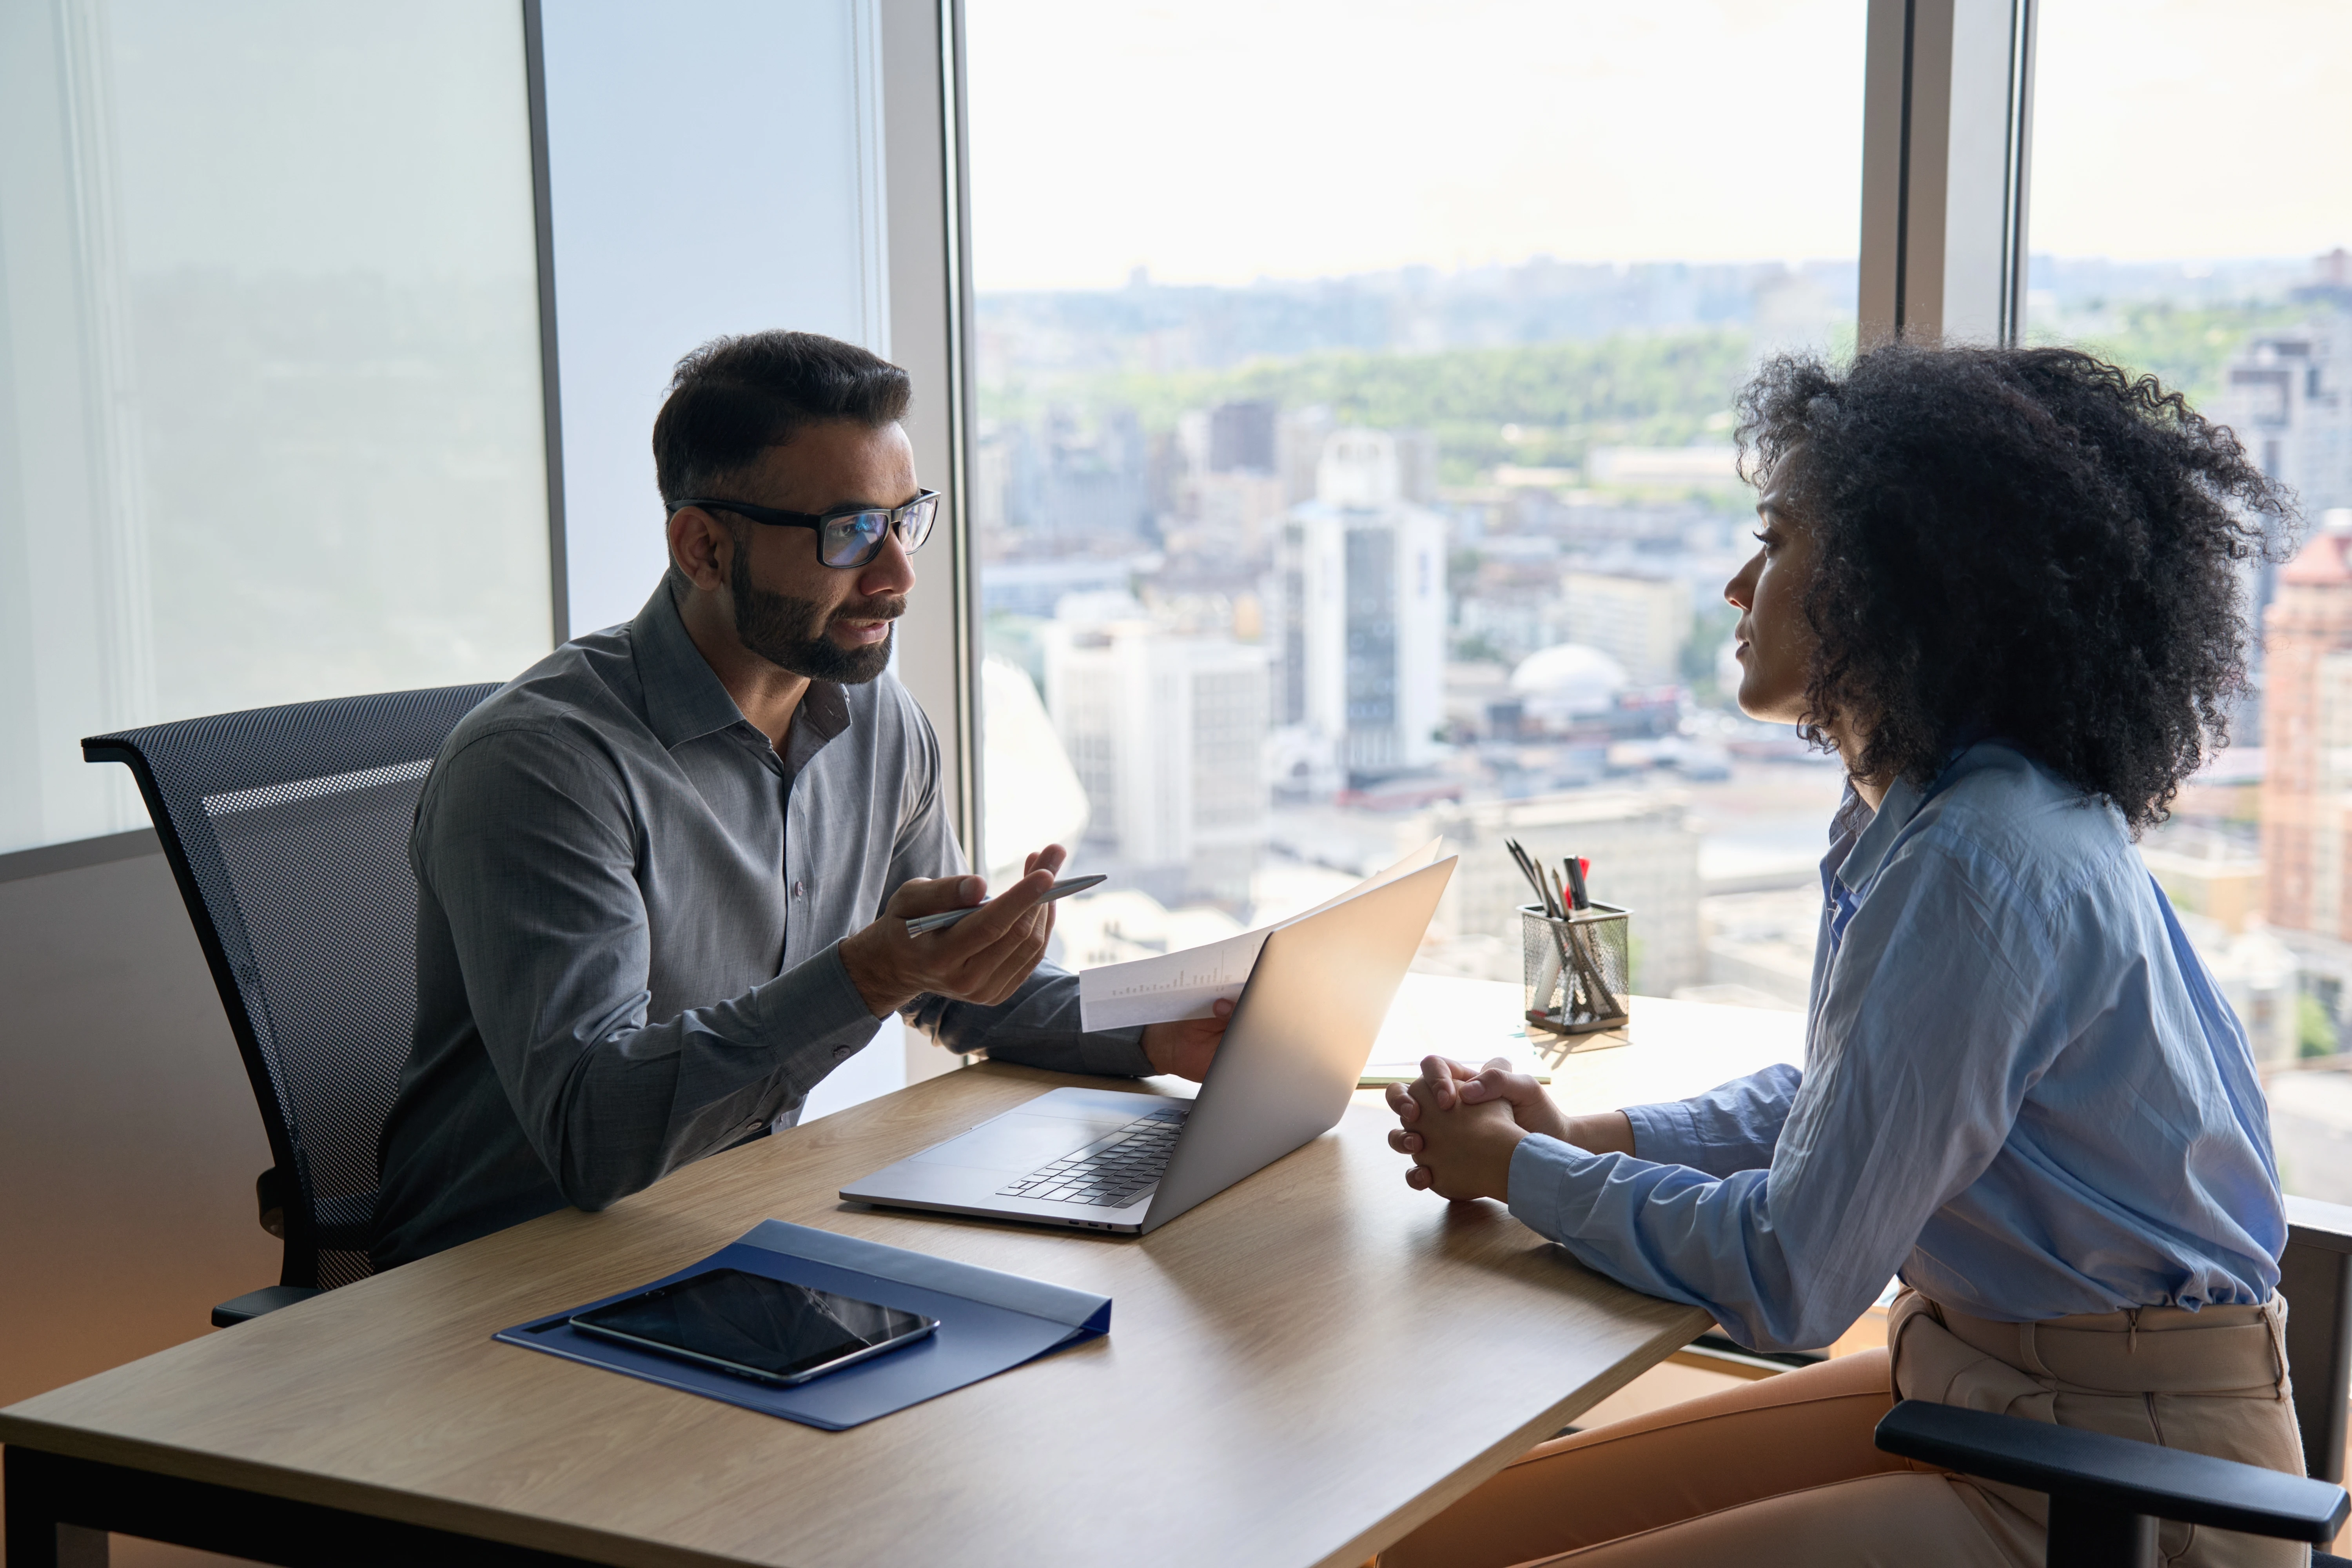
(351, 1497)
(1395, 1526)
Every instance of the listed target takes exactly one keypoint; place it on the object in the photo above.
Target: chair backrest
(288, 831)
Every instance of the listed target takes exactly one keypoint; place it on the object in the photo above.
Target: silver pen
(917, 926)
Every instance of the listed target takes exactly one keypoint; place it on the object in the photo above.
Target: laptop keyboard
(1110, 1172)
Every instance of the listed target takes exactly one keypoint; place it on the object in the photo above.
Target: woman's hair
(2026, 543)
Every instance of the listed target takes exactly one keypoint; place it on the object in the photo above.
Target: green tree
(2315, 1030)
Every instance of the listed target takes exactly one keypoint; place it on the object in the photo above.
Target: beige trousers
(1783, 1471)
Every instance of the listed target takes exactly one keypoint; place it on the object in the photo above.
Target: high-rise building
(1416, 453)
(2288, 396)
(1236, 515)
(1167, 734)
(2307, 732)
(1300, 436)
(1243, 438)
(1642, 623)
(1070, 485)
(1358, 613)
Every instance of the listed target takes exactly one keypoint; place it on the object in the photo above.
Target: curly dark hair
(2027, 541)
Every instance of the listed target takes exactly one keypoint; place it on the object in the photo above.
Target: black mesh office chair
(287, 830)
(2107, 1493)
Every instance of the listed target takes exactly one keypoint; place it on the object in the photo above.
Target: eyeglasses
(849, 536)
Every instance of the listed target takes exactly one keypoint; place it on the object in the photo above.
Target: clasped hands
(984, 957)
(1461, 1125)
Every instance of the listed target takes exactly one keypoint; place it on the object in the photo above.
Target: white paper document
(1188, 985)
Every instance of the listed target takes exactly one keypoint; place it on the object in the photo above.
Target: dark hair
(2023, 542)
(733, 398)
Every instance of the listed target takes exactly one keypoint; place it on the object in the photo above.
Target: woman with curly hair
(2002, 586)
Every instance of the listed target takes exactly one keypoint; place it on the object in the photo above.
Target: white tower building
(1167, 734)
(1360, 602)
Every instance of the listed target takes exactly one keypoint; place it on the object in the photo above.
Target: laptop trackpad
(1019, 1143)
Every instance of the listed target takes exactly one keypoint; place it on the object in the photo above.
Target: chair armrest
(254, 1303)
(2311, 1222)
(2117, 1473)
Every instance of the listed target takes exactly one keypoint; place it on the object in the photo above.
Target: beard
(790, 633)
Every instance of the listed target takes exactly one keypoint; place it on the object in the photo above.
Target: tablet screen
(755, 1322)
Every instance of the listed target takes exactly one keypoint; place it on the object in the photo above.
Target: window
(1353, 463)
(2218, 263)
(270, 420)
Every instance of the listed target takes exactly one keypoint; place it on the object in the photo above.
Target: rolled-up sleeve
(526, 844)
(1924, 1054)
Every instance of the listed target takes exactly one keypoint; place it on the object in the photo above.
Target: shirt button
(841, 1053)
(796, 889)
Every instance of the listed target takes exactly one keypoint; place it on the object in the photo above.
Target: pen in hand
(917, 926)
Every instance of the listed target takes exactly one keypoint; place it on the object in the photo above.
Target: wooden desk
(1299, 1371)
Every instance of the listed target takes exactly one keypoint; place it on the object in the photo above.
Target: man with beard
(664, 875)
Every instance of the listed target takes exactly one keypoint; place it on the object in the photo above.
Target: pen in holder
(1576, 969)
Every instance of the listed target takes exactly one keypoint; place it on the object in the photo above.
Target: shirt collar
(1876, 841)
(684, 699)
(1902, 803)
(823, 714)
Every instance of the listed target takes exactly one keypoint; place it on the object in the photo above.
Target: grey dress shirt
(628, 915)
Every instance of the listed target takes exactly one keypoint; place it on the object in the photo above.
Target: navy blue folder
(989, 1322)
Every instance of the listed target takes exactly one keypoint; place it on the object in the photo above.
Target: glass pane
(269, 401)
(2221, 267)
(1354, 462)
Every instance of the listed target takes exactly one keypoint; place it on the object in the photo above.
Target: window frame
(1946, 154)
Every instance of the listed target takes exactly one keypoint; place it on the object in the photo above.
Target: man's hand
(1186, 1046)
(982, 958)
(1465, 1149)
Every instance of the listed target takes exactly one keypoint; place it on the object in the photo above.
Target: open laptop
(1103, 1160)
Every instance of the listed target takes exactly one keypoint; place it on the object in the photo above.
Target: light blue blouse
(2022, 1091)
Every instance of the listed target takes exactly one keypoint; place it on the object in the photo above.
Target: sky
(1223, 140)
(2192, 129)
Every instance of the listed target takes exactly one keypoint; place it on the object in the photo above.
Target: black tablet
(755, 1327)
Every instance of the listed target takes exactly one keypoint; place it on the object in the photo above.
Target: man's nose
(888, 573)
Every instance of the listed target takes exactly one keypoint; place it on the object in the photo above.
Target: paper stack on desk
(1188, 985)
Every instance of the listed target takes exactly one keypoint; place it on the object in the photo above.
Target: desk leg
(60, 1510)
(78, 1547)
(36, 1536)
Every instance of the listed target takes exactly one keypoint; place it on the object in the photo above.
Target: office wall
(128, 1139)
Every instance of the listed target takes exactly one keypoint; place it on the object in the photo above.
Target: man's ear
(701, 547)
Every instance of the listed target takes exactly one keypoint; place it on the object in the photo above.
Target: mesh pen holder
(1578, 971)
